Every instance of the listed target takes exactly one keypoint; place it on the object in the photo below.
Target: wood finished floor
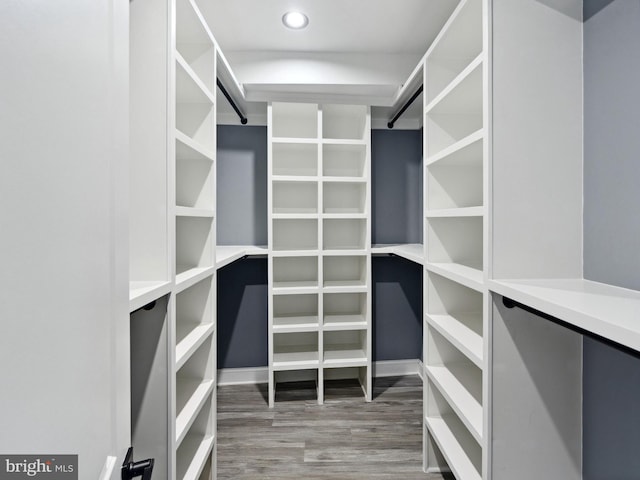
(345, 439)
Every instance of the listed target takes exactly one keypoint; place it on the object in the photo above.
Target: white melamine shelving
(410, 251)
(226, 254)
(319, 248)
(455, 250)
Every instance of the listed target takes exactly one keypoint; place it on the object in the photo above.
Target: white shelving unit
(455, 253)
(319, 243)
(193, 134)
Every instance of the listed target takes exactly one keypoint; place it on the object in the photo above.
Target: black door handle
(131, 469)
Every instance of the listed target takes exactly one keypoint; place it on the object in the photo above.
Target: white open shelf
(345, 348)
(193, 455)
(294, 159)
(466, 152)
(294, 274)
(605, 310)
(345, 273)
(295, 197)
(191, 395)
(344, 161)
(294, 120)
(194, 319)
(410, 251)
(463, 331)
(455, 212)
(348, 122)
(195, 43)
(142, 293)
(226, 254)
(344, 198)
(186, 275)
(345, 234)
(465, 275)
(457, 446)
(295, 234)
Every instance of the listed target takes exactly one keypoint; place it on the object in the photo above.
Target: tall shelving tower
(455, 295)
(319, 243)
(194, 336)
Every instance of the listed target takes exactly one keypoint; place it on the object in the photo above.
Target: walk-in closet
(326, 240)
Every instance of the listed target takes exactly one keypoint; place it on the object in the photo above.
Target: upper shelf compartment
(194, 42)
(459, 42)
(344, 122)
(294, 120)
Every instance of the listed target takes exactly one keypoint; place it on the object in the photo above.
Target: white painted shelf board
(194, 92)
(194, 212)
(461, 385)
(309, 286)
(191, 395)
(328, 284)
(455, 212)
(142, 293)
(455, 329)
(189, 276)
(295, 178)
(345, 356)
(458, 16)
(345, 289)
(292, 324)
(454, 451)
(187, 148)
(294, 140)
(465, 152)
(190, 336)
(333, 179)
(226, 254)
(463, 274)
(343, 141)
(457, 87)
(344, 322)
(609, 311)
(344, 216)
(409, 251)
(295, 253)
(347, 252)
(195, 450)
(293, 358)
(295, 216)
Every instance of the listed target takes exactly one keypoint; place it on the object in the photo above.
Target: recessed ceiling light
(295, 20)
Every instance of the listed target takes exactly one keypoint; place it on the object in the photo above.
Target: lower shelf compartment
(345, 356)
(461, 451)
(192, 456)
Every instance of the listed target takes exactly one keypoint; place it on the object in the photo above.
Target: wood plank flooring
(345, 439)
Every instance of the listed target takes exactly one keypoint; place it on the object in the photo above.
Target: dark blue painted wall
(242, 286)
(396, 186)
(611, 228)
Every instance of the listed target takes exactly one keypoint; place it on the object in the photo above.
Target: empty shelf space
(461, 385)
(294, 160)
(295, 288)
(194, 212)
(187, 276)
(463, 94)
(345, 272)
(191, 395)
(294, 197)
(468, 276)
(463, 331)
(289, 324)
(345, 234)
(345, 356)
(460, 450)
(345, 161)
(345, 122)
(294, 120)
(189, 87)
(192, 456)
(344, 198)
(187, 149)
(344, 322)
(143, 293)
(195, 42)
(189, 337)
(466, 152)
(608, 311)
(296, 358)
(292, 235)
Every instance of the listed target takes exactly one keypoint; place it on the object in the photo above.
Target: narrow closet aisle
(343, 439)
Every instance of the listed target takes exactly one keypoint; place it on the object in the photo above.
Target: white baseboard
(252, 375)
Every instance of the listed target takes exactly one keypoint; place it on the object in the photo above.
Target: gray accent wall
(611, 228)
(242, 185)
(396, 186)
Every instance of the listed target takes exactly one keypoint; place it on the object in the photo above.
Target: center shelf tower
(319, 244)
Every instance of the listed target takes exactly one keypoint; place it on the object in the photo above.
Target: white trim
(254, 375)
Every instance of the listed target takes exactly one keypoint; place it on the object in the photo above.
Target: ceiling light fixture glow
(295, 20)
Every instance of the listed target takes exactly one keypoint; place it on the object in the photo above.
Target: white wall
(63, 247)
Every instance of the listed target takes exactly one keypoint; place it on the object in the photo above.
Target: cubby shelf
(410, 251)
(456, 445)
(187, 148)
(463, 274)
(319, 229)
(463, 331)
(191, 395)
(194, 212)
(226, 254)
(196, 450)
(462, 388)
(465, 152)
(189, 87)
(455, 212)
(463, 93)
(189, 337)
(189, 276)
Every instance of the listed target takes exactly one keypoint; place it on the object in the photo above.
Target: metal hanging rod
(243, 119)
(404, 108)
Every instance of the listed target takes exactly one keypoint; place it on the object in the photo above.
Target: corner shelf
(226, 254)
(143, 293)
